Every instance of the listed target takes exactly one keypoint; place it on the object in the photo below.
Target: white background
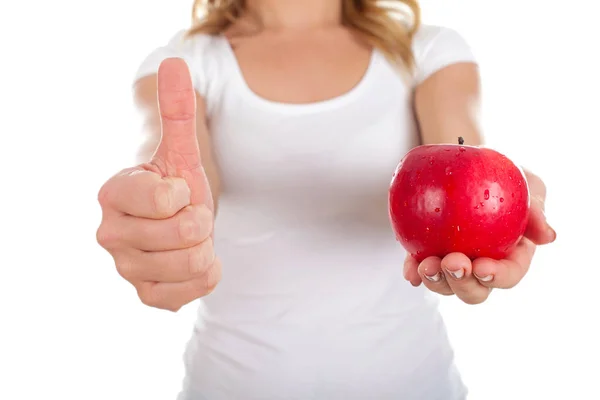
(71, 328)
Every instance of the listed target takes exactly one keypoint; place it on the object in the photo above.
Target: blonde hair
(376, 21)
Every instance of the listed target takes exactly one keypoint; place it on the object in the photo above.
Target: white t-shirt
(312, 303)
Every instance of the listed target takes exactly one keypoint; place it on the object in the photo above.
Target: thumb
(538, 230)
(178, 154)
(178, 149)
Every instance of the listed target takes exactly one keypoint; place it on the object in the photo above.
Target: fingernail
(486, 278)
(434, 278)
(458, 274)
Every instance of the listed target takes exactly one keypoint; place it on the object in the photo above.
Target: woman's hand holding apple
(469, 218)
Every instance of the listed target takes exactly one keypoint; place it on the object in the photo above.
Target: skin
(446, 103)
(158, 216)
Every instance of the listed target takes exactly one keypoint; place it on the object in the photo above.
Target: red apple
(448, 198)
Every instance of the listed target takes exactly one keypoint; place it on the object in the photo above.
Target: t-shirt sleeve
(437, 47)
(187, 48)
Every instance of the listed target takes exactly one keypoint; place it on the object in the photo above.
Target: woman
(292, 122)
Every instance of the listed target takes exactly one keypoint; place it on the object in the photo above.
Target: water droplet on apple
(427, 229)
(477, 207)
(457, 228)
(437, 209)
(486, 194)
(481, 204)
(405, 203)
(462, 149)
(501, 199)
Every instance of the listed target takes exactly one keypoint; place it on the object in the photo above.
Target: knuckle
(162, 199)
(188, 229)
(104, 195)
(201, 257)
(212, 277)
(150, 297)
(125, 267)
(205, 218)
(195, 225)
(106, 236)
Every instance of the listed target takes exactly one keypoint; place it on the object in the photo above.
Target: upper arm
(447, 89)
(146, 100)
(447, 105)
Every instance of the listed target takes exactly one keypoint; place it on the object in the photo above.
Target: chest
(347, 146)
(300, 70)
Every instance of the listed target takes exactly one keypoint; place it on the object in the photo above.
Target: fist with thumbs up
(157, 218)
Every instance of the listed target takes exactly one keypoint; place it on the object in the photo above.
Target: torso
(312, 304)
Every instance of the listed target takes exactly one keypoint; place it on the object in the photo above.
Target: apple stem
(461, 141)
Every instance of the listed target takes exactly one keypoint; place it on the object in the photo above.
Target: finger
(432, 276)
(538, 230)
(166, 266)
(507, 273)
(144, 194)
(189, 227)
(178, 149)
(174, 295)
(457, 270)
(411, 273)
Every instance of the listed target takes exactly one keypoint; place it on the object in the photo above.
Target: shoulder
(436, 47)
(434, 37)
